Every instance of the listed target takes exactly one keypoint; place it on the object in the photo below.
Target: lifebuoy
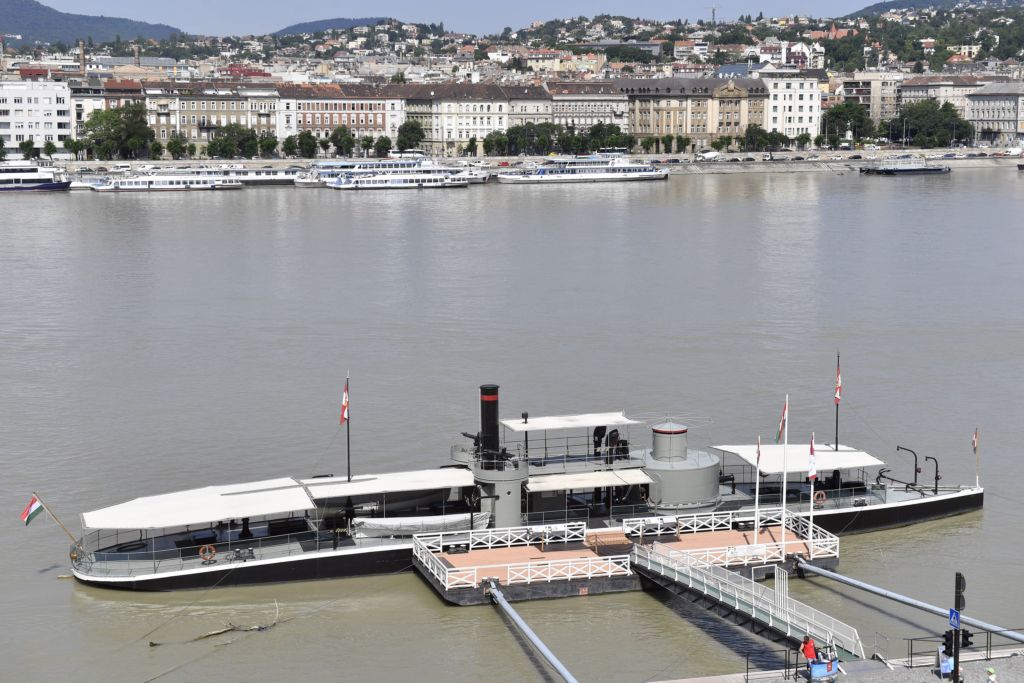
(207, 553)
(819, 497)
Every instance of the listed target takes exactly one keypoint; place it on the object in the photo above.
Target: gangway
(772, 608)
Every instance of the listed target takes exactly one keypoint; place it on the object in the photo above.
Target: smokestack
(81, 56)
(489, 418)
(138, 60)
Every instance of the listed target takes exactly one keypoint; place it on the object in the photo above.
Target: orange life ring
(819, 497)
(207, 553)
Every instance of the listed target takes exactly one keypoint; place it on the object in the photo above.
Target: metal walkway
(772, 608)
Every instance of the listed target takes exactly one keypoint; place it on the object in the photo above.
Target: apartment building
(581, 104)
(876, 91)
(794, 104)
(997, 112)
(699, 108)
(945, 88)
(363, 109)
(454, 113)
(39, 111)
(196, 110)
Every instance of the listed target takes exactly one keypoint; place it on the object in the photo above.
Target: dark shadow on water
(544, 670)
(50, 568)
(826, 584)
(760, 652)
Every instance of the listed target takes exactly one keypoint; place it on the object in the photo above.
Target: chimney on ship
(81, 56)
(488, 418)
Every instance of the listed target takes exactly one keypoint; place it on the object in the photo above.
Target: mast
(348, 433)
(839, 396)
(56, 519)
(785, 469)
(812, 474)
(757, 491)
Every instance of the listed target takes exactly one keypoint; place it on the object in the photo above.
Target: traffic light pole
(960, 584)
(956, 655)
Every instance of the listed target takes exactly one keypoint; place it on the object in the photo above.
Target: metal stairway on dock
(772, 609)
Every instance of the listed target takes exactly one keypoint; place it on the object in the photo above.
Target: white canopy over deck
(587, 480)
(797, 458)
(203, 506)
(394, 482)
(554, 422)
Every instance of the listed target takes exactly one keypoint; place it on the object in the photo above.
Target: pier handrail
(505, 537)
(677, 524)
(782, 613)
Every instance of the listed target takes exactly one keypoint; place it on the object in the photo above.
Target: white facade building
(997, 113)
(794, 104)
(581, 104)
(39, 111)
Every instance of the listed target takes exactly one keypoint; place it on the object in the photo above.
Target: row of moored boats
(377, 174)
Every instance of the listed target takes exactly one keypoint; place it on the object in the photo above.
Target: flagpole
(348, 433)
(977, 462)
(757, 490)
(785, 469)
(838, 389)
(812, 466)
(59, 523)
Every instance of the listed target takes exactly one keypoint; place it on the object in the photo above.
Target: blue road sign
(954, 618)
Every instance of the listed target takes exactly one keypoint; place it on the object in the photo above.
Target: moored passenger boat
(24, 176)
(170, 182)
(590, 169)
(524, 471)
(396, 181)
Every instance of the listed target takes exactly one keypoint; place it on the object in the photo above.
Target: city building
(877, 91)
(945, 88)
(196, 110)
(997, 112)
(39, 111)
(794, 104)
(702, 109)
(365, 110)
(581, 104)
(453, 113)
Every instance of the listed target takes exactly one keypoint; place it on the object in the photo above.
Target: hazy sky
(226, 17)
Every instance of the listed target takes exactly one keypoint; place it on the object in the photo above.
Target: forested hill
(339, 24)
(35, 21)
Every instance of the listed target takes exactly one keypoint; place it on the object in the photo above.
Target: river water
(155, 342)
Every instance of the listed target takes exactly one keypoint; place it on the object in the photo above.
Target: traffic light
(965, 638)
(959, 604)
(948, 639)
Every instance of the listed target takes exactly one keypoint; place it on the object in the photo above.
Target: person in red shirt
(808, 649)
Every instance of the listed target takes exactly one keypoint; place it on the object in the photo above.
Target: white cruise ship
(20, 176)
(589, 169)
(396, 181)
(170, 182)
(326, 173)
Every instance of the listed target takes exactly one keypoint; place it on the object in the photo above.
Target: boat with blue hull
(30, 177)
(524, 471)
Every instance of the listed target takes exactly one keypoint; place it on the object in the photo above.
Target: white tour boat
(396, 181)
(25, 176)
(590, 169)
(169, 182)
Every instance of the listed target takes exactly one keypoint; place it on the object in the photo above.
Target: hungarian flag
(33, 508)
(344, 405)
(974, 441)
(812, 468)
(759, 454)
(839, 383)
(782, 422)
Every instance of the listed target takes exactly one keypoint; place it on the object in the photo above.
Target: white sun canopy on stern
(587, 480)
(555, 422)
(203, 506)
(393, 482)
(826, 458)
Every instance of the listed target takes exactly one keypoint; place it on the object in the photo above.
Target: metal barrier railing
(679, 524)
(782, 613)
(929, 646)
(572, 514)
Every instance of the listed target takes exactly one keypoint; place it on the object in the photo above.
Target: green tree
(49, 149)
(366, 143)
(471, 146)
(648, 143)
(27, 148)
(267, 144)
(3, 149)
(290, 146)
(399, 77)
(191, 149)
(176, 146)
(755, 138)
(122, 132)
(343, 141)
(410, 135)
(683, 144)
(382, 146)
(820, 141)
(931, 125)
(846, 116)
(325, 145)
(803, 140)
(495, 143)
(156, 150)
(719, 144)
(307, 144)
(666, 142)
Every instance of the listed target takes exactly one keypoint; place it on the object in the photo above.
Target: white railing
(426, 549)
(677, 524)
(782, 614)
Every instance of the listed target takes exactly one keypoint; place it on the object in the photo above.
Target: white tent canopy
(394, 482)
(587, 480)
(203, 506)
(826, 458)
(584, 421)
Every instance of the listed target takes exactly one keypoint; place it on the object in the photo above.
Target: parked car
(856, 156)
(733, 159)
(798, 158)
(671, 161)
(749, 159)
(503, 164)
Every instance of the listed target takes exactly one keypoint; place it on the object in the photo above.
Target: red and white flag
(782, 422)
(759, 454)
(812, 468)
(839, 383)
(974, 441)
(344, 404)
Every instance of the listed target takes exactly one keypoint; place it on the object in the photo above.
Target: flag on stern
(812, 468)
(974, 442)
(33, 508)
(782, 422)
(839, 383)
(344, 405)
(759, 454)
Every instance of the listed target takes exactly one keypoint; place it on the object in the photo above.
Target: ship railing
(677, 524)
(148, 562)
(507, 537)
(777, 610)
(580, 513)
